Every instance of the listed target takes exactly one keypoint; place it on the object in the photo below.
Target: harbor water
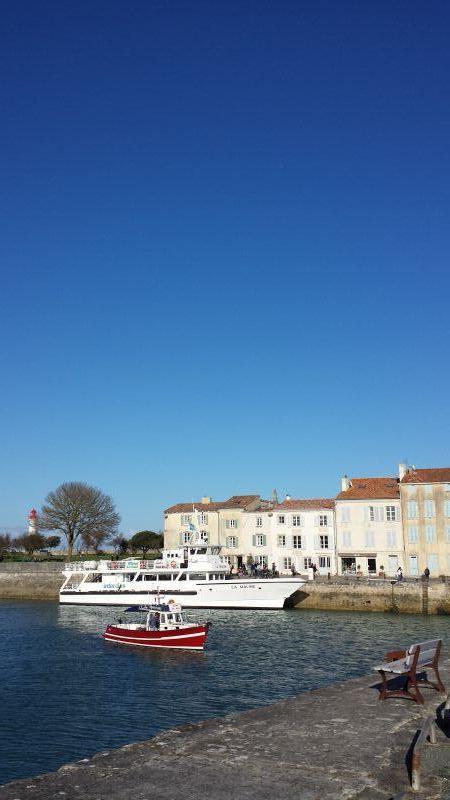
(65, 693)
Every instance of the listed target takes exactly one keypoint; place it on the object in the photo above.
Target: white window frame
(203, 518)
(259, 522)
(259, 540)
(186, 519)
(296, 542)
(324, 562)
(232, 541)
(231, 523)
(296, 520)
(287, 562)
(391, 514)
(281, 540)
(281, 519)
(323, 520)
(324, 541)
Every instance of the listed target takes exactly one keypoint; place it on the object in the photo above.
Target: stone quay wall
(42, 580)
(30, 580)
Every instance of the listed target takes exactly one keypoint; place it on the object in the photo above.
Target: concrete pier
(335, 743)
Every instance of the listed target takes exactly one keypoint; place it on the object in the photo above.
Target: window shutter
(264, 539)
(254, 540)
(316, 520)
(181, 538)
(380, 515)
(366, 514)
(316, 543)
(302, 519)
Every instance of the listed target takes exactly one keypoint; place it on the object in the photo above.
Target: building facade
(425, 499)
(369, 526)
(291, 535)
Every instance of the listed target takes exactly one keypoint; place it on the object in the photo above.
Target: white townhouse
(303, 534)
(369, 526)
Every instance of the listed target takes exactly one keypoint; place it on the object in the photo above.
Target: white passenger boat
(195, 575)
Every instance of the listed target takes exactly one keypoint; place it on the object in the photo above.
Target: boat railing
(80, 566)
(127, 564)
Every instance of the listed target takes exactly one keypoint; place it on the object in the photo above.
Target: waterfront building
(425, 499)
(293, 534)
(221, 523)
(368, 526)
(303, 533)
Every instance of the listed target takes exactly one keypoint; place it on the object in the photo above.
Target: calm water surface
(66, 694)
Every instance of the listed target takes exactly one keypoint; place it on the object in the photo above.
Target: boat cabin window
(148, 578)
(182, 577)
(197, 576)
(163, 577)
(215, 551)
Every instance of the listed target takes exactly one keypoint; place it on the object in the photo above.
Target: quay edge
(336, 742)
(42, 581)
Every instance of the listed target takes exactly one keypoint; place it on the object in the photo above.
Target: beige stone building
(425, 499)
(295, 533)
(368, 526)
(222, 523)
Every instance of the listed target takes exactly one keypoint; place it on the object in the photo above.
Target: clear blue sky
(224, 248)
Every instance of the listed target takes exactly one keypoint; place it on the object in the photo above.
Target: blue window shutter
(254, 540)
(264, 539)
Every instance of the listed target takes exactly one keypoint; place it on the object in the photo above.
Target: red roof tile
(306, 504)
(371, 488)
(439, 475)
(237, 501)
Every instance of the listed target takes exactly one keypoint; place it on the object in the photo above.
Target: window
(412, 509)
(391, 539)
(259, 522)
(413, 534)
(184, 537)
(297, 542)
(345, 514)
(433, 563)
(429, 509)
(429, 490)
(227, 559)
(375, 514)
(204, 536)
(231, 523)
(282, 540)
(287, 562)
(323, 542)
(430, 533)
(296, 520)
(281, 519)
(371, 514)
(324, 562)
(307, 562)
(323, 520)
(447, 508)
(232, 541)
(347, 539)
(259, 540)
(261, 561)
(390, 513)
(370, 539)
(203, 518)
(185, 519)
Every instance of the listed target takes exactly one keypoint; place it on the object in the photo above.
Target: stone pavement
(336, 742)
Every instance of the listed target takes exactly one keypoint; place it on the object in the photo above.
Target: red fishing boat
(163, 625)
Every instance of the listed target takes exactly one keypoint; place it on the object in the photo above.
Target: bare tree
(78, 510)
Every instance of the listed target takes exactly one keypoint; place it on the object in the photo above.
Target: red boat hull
(192, 638)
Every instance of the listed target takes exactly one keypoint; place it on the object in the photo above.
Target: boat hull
(192, 638)
(273, 593)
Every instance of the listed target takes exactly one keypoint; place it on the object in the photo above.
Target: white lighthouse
(33, 521)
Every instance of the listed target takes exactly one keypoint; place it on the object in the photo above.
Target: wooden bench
(415, 659)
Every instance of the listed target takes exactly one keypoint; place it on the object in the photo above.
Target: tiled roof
(305, 505)
(440, 475)
(237, 501)
(371, 488)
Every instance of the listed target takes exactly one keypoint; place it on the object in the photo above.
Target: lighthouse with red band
(33, 521)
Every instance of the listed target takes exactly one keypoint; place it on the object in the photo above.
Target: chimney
(402, 470)
(206, 501)
(345, 483)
